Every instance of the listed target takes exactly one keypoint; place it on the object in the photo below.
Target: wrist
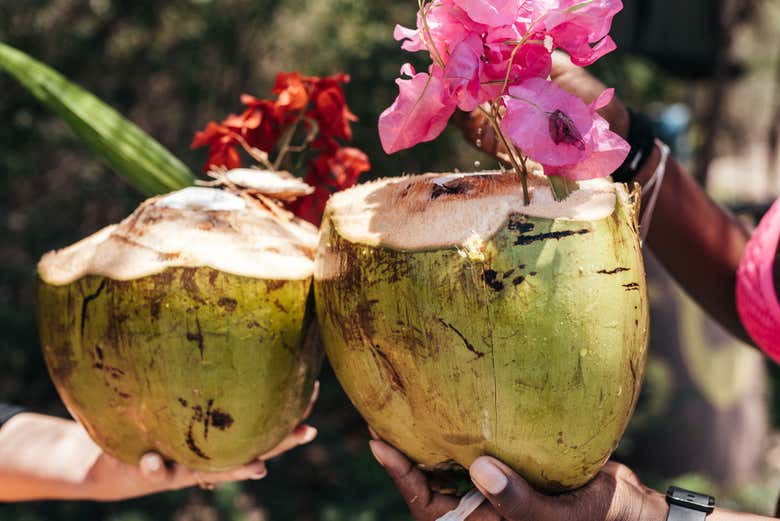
(654, 507)
(619, 118)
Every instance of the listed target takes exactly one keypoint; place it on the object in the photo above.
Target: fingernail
(377, 449)
(488, 477)
(259, 475)
(151, 463)
(310, 434)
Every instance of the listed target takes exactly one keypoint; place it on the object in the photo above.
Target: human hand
(110, 479)
(42, 457)
(614, 495)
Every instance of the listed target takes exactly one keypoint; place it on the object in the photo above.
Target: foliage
(128, 150)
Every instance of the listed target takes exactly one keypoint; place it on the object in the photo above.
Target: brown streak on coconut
(612, 272)
(524, 240)
(85, 304)
(491, 279)
(221, 419)
(392, 372)
(451, 188)
(189, 439)
(468, 344)
(197, 337)
(229, 304)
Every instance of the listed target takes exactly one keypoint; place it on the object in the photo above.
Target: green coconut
(185, 329)
(462, 323)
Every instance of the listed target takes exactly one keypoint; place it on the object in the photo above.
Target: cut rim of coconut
(192, 228)
(275, 184)
(433, 211)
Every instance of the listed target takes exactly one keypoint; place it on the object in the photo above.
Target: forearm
(44, 458)
(699, 242)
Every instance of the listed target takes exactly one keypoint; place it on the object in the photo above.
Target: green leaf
(131, 152)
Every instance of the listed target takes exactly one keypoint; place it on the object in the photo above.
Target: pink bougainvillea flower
(532, 60)
(580, 28)
(420, 113)
(448, 24)
(462, 74)
(491, 12)
(559, 131)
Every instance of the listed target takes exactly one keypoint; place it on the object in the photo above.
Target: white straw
(468, 504)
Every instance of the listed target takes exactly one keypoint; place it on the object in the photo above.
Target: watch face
(688, 499)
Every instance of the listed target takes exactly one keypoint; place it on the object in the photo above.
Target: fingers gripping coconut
(461, 322)
(184, 329)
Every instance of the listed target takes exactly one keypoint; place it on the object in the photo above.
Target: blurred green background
(707, 70)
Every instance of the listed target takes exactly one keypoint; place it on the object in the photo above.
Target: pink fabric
(757, 299)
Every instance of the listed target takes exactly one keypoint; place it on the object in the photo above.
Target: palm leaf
(131, 152)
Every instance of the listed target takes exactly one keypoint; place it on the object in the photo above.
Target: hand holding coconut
(44, 458)
(615, 494)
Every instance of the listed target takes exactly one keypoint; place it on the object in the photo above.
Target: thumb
(512, 497)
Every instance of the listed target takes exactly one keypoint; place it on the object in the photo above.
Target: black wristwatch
(685, 505)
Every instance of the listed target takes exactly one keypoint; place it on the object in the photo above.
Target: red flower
(292, 91)
(263, 122)
(259, 123)
(336, 168)
(330, 108)
(347, 165)
(222, 142)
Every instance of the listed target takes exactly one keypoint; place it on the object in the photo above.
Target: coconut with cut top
(461, 322)
(184, 329)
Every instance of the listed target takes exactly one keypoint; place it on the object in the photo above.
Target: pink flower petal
(559, 131)
(576, 28)
(606, 155)
(604, 99)
(491, 12)
(409, 38)
(420, 113)
(462, 74)
(575, 40)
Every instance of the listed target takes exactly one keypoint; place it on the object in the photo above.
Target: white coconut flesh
(194, 227)
(279, 184)
(454, 210)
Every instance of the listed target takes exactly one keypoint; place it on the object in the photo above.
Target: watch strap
(680, 513)
(686, 505)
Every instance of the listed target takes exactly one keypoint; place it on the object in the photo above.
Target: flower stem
(286, 142)
(428, 36)
(519, 165)
(256, 154)
(561, 187)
